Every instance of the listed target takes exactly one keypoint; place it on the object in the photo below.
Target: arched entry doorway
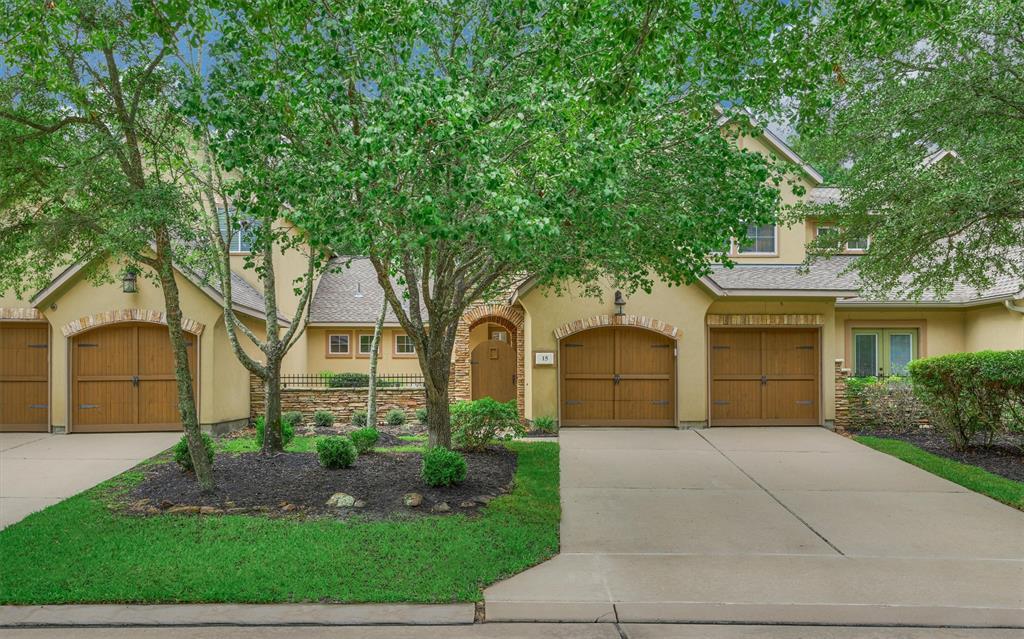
(617, 376)
(122, 378)
(493, 364)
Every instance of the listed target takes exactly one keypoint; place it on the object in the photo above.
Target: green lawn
(80, 551)
(1008, 491)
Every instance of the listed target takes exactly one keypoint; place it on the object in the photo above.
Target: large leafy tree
(923, 135)
(466, 145)
(85, 111)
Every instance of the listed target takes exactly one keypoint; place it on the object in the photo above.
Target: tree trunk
(272, 439)
(182, 370)
(371, 392)
(439, 427)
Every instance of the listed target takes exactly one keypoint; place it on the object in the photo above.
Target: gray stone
(443, 507)
(412, 500)
(341, 500)
(360, 503)
(469, 503)
(183, 510)
(484, 499)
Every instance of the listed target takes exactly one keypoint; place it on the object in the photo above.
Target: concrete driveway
(766, 525)
(39, 469)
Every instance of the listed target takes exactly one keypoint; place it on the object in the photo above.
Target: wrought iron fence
(350, 380)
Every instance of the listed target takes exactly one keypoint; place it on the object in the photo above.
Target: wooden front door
(494, 370)
(617, 376)
(765, 377)
(24, 375)
(123, 379)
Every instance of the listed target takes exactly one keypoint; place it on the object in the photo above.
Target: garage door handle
(764, 380)
(616, 378)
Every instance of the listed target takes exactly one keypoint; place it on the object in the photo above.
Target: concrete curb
(237, 615)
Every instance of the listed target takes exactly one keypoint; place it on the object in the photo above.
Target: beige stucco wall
(683, 307)
(387, 364)
(993, 327)
(223, 382)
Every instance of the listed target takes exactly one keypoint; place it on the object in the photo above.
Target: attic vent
(359, 289)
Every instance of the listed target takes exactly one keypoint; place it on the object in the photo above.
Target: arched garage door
(618, 376)
(123, 379)
(24, 366)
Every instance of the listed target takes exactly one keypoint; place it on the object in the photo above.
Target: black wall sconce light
(620, 304)
(130, 280)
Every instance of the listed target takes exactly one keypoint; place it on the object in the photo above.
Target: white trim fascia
(874, 304)
(369, 325)
(56, 283)
(782, 292)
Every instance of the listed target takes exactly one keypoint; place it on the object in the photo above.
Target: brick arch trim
(598, 321)
(118, 316)
(507, 316)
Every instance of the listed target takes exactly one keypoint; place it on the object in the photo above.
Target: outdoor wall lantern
(620, 304)
(129, 281)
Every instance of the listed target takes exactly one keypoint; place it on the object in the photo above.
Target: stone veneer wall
(842, 421)
(340, 401)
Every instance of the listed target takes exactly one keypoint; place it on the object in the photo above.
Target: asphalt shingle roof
(823, 275)
(348, 293)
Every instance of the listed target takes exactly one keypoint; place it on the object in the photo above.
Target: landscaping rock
(288, 508)
(139, 504)
(484, 499)
(341, 500)
(467, 504)
(166, 504)
(209, 510)
(443, 507)
(412, 500)
(360, 503)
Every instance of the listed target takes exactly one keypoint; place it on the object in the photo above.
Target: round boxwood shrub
(365, 439)
(323, 419)
(182, 456)
(395, 417)
(336, 452)
(287, 431)
(359, 418)
(478, 422)
(443, 467)
(421, 415)
(293, 417)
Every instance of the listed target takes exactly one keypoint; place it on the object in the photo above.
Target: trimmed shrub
(443, 467)
(323, 419)
(395, 417)
(476, 423)
(336, 452)
(884, 403)
(546, 424)
(365, 439)
(972, 396)
(359, 418)
(421, 415)
(287, 430)
(348, 380)
(293, 417)
(182, 456)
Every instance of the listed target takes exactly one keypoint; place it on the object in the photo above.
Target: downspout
(1010, 304)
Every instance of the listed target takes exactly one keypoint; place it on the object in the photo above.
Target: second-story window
(858, 246)
(240, 240)
(760, 240)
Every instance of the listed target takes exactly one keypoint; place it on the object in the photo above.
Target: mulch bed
(1001, 458)
(294, 484)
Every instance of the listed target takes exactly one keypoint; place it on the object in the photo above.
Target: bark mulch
(1001, 458)
(294, 484)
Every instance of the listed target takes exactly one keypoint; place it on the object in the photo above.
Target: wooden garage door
(123, 379)
(765, 377)
(618, 376)
(24, 366)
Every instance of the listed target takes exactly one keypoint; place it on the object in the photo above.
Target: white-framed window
(761, 239)
(404, 345)
(338, 344)
(366, 344)
(858, 246)
(241, 238)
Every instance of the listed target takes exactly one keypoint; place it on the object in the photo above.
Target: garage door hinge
(573, 345)
(805, 402)
(718, 347)
(83, 345)
(805, 348)
(38, 405)
(88, 405)
(660, 402)
(37, 345)
(720, 402)
(573, 402)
